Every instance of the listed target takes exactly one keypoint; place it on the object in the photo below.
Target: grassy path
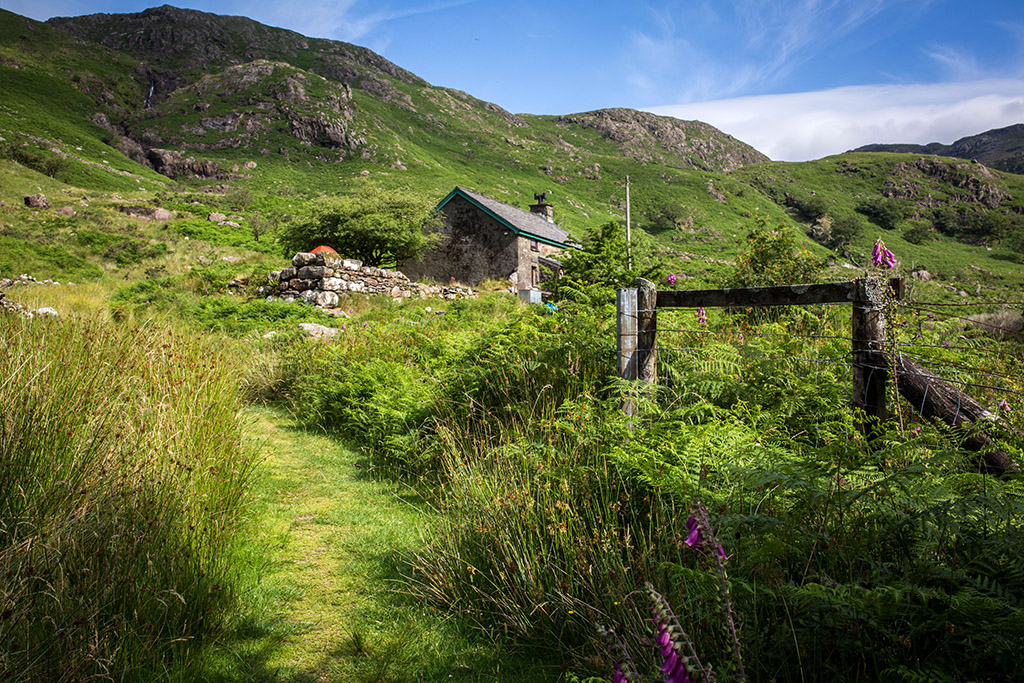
(320, 602)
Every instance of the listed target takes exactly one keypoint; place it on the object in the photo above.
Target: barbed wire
(907, 303)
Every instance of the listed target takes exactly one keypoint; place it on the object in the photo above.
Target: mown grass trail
(320, 601)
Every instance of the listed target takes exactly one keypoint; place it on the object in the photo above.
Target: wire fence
(975, 345)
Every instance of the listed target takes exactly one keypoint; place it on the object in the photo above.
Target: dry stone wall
(320, 280)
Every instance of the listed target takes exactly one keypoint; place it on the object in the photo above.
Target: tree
(773, 258)
(600, 267)
(845, 227)
(885, 212)
(377, 226)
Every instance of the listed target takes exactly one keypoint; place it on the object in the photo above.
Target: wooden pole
(870, 369)
(626, 339)
(647, 331)
(936, 399)
(629, 235)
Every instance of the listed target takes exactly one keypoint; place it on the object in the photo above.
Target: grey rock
(37, 201)
(324, 299)
(287, 274)
(216, 217)
(311, 272)
(306, 259)
(317, 331)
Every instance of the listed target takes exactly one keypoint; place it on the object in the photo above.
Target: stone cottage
(483, 238)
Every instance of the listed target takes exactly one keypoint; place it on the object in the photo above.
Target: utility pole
(629, 240)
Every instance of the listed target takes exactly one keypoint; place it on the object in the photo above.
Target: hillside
(186, 100)
(1001, 148)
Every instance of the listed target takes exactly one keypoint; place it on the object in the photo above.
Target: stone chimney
(542, 208)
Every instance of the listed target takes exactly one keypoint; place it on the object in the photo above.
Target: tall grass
(122, 478)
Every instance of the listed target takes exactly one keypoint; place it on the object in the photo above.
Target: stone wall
(474, 247)
(531, 273)
(320, 279)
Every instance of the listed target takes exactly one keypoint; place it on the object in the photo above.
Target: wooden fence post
(626, 339)
(870, 369)
(647, 331)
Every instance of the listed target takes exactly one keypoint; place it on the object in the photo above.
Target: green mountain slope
(180, 98)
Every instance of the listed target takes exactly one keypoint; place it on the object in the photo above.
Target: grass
(323, 600)
(118, 498)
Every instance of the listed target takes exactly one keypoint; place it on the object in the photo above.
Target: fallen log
(935, 398)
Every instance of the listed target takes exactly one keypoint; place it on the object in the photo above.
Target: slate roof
(520, 221)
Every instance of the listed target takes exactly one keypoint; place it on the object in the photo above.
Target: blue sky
(798, 79)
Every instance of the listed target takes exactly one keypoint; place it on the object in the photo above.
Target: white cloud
(810, 125)
(336, 19)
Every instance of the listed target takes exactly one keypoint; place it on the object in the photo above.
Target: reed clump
(123, 476)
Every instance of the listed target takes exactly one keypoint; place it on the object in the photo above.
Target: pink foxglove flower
(880, 256)
(671, 278)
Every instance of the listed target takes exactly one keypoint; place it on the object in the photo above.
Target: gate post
(647, 331)
(870, 369)
(626, 339)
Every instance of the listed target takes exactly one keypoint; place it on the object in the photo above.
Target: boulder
(326, 299)
(161, 214)
(37, 201)
(317, 331)
(46, 312)
(216, 217)
(66, 211)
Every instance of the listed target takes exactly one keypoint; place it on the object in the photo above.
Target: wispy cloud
(339, 19)
(811, 125)
(682, 48)
(956, 63)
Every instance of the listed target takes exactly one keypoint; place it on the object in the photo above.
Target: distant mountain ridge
(1001, 148)
(196, 63)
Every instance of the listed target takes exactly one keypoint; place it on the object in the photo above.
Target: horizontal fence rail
(873, 358)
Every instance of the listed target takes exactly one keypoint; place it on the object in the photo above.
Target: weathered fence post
(647, 331)
(869, 366)
(626, 336)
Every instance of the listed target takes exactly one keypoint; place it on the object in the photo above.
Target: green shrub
(884, 212)
(377, 226)
(773, 257)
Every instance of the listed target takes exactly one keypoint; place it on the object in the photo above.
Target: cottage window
(534, 246)
(534, 276)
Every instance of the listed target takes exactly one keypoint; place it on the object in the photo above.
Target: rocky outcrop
(174, 164)
(320, 280)
(320, 131)
(666, 140)
(971, 183)
(37, 201)
(1001, 148)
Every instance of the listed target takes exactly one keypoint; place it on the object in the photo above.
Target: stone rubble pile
(318, 279)
(14, 308)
